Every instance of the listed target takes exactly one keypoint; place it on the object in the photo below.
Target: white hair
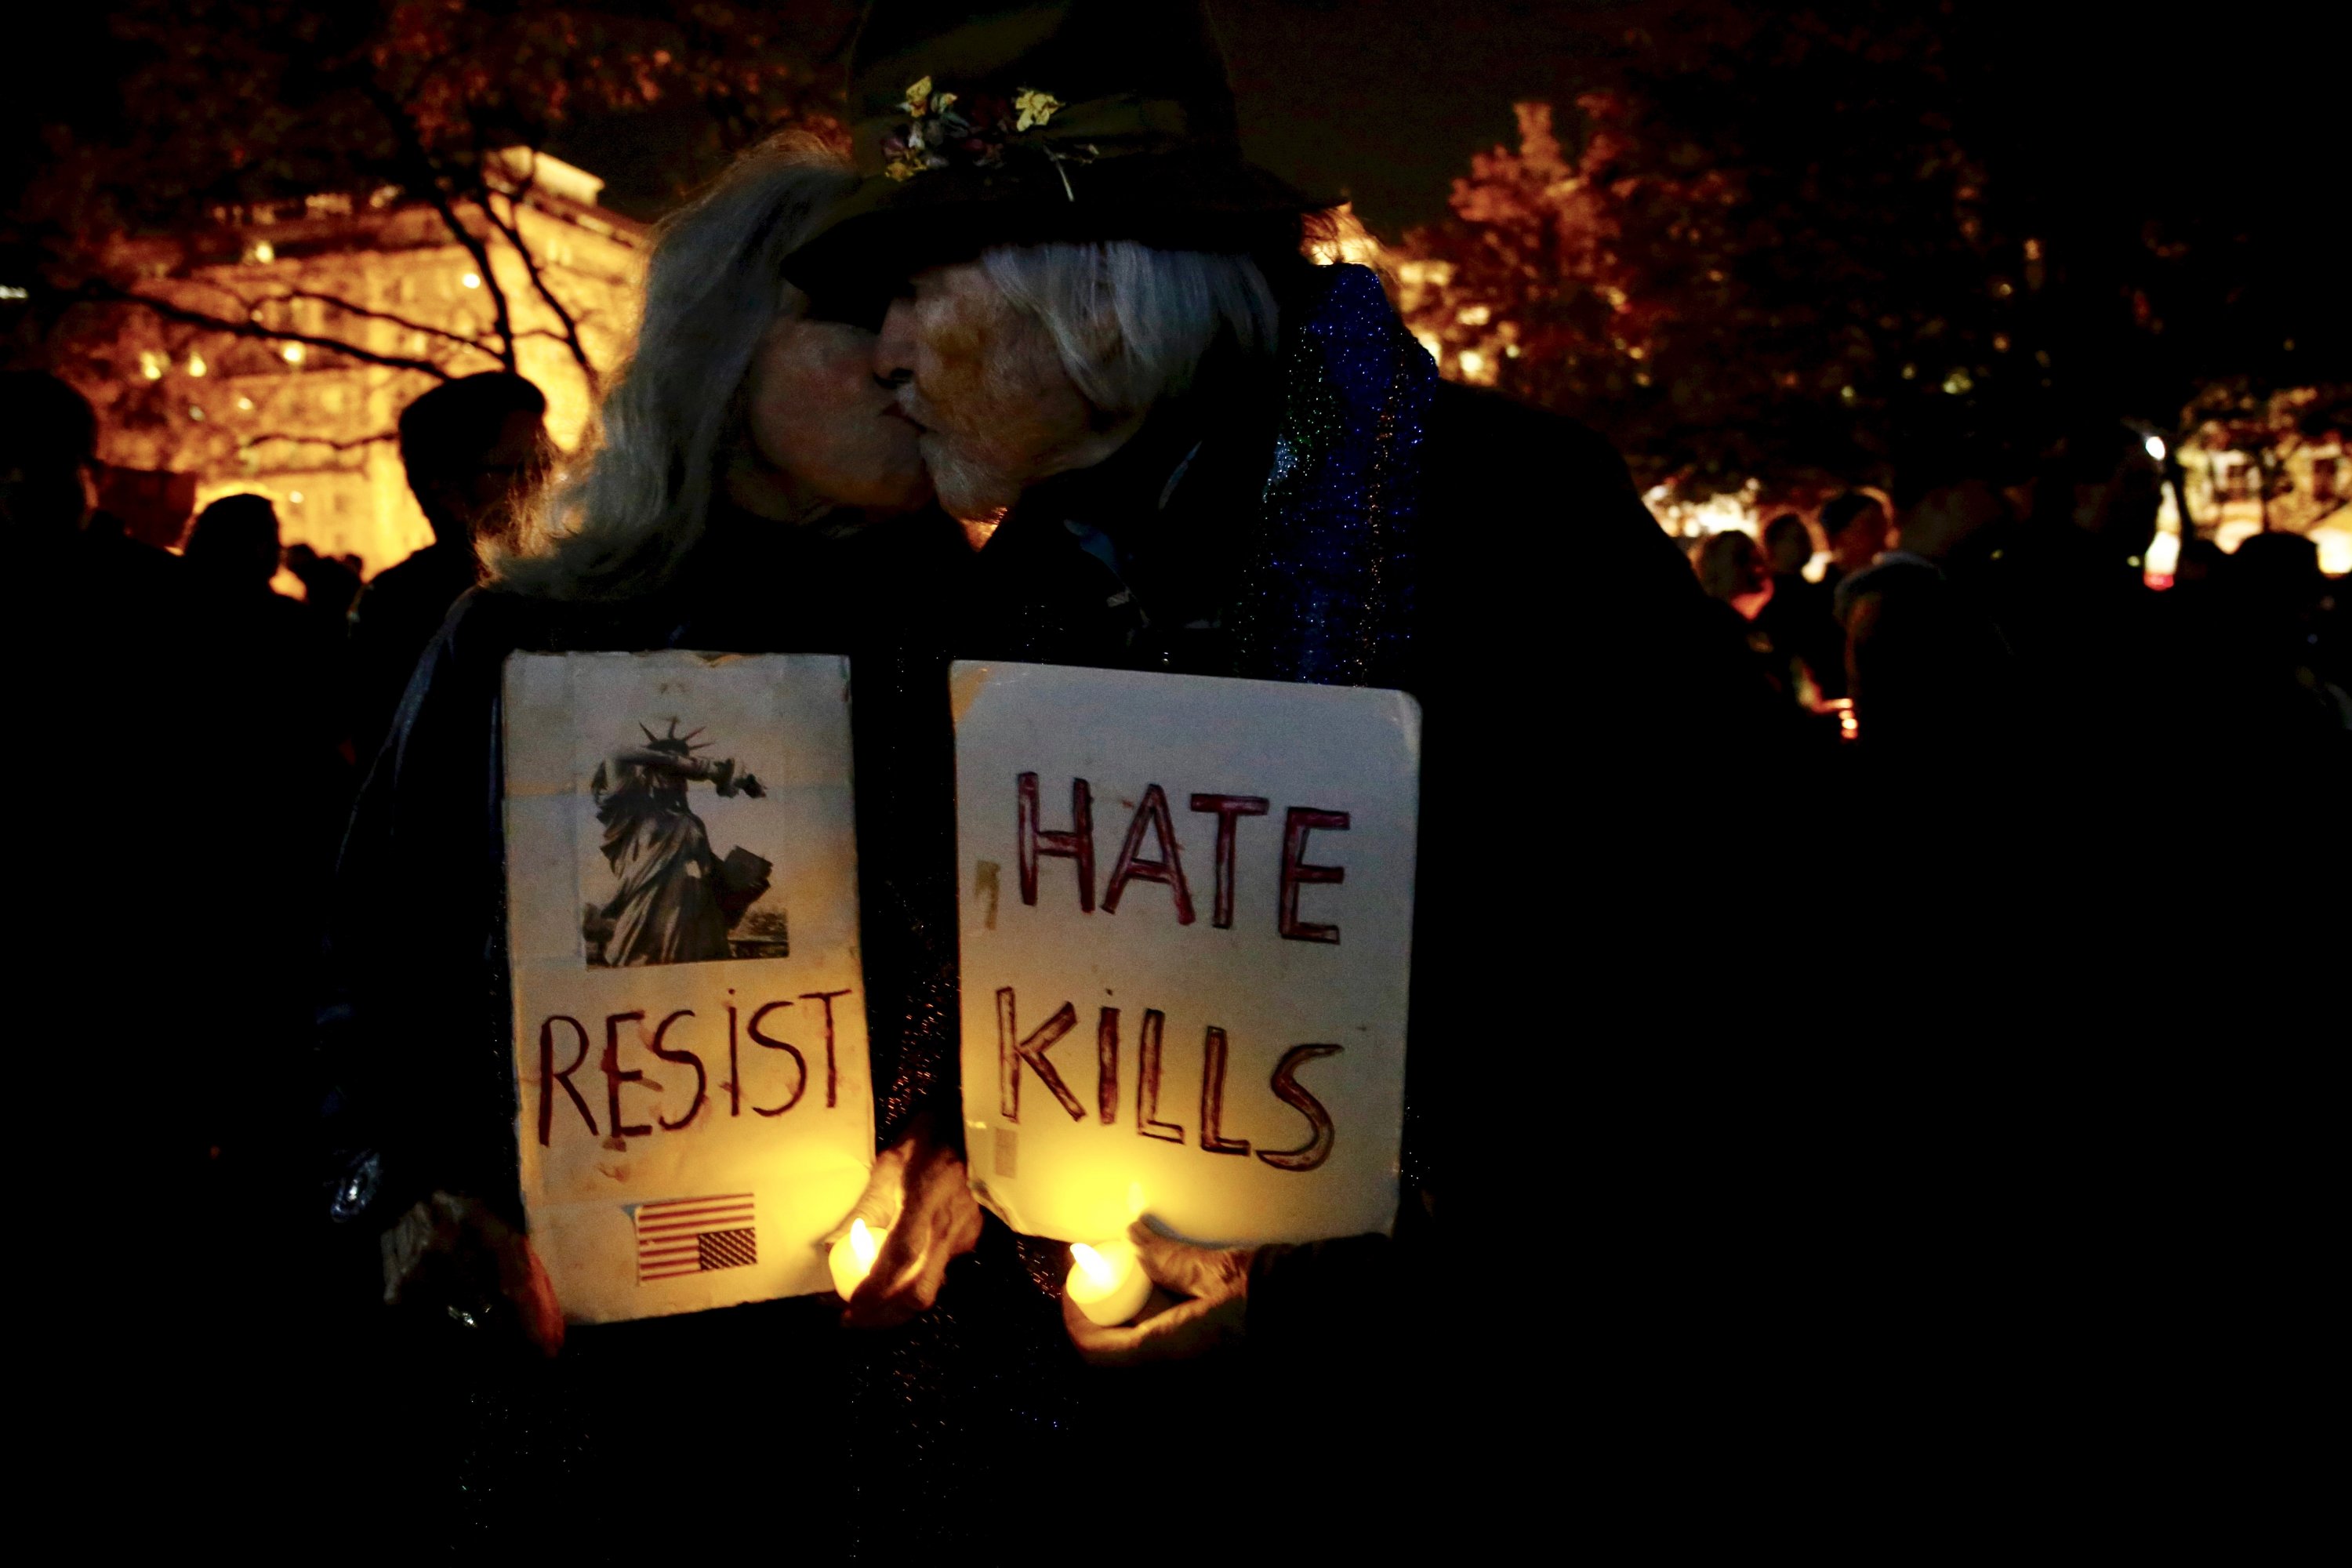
(636, 505)
(1131, 323)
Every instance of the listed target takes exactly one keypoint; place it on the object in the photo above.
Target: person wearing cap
(1179, 445)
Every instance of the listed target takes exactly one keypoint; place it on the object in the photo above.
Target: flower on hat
(1035, 108)
(938, 135)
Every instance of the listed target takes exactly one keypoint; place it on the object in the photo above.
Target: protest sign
(690, 1014)
(1186, 911)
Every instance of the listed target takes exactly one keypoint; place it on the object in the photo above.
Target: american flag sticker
(694, 1236)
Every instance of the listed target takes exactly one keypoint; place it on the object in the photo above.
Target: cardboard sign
(690, 1012)
(1186, 917)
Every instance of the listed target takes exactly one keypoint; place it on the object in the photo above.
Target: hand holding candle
(1107, 1283)
(917, 1215)
(1216, 1279)
(852, 1258)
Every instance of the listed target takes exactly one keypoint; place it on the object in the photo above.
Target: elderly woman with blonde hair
(751, 488)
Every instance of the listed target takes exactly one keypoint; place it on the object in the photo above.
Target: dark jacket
(420, 908)
(1580, 699)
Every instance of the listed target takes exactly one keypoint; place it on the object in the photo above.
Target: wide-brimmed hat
(1073, 120)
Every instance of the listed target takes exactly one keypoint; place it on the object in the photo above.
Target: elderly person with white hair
(1183, 447)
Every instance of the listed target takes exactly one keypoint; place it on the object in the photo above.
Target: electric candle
(1108, 1282)
(852, 1258)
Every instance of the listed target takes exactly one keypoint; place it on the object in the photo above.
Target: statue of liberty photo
(677, 900)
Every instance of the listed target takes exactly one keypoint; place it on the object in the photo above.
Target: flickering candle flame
(1097, 1269)
(852, 1258)
(1108, 1282)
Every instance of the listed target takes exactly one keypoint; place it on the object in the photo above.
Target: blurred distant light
(15, 291)
(1474, 315)
(294, 496)
(153, 364)
(471, 280)
(1958, 382)
(1474, 364)
(2156, 447)
(195, 412)
(2335, 550)
(1910, 372)
(261, 250)
(196, 365)
(292, 353)
(244, 404)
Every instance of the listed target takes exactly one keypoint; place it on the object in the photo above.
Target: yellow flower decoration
(1036, 107)
(919, 98)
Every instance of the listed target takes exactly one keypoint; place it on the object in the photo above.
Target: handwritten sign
(690, 1013)
(1186, 919)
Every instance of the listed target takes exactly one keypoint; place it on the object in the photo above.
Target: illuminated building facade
(365, 294)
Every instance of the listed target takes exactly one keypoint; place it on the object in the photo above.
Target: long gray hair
(636, 504)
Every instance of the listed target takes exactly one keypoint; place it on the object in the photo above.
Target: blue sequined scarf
(1329, 598)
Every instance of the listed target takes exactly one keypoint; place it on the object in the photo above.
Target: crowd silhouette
(1977, 657)
(1980, 627)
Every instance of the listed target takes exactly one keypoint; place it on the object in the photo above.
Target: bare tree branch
(99, 291)
(513, 229)
(427, 184)
(354, 443)
(336, 301)
(345, 306)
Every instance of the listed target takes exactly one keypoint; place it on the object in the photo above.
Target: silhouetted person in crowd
(2068, 588)
(2264, 712)
(1854, 525)
(471, 447)
(1925, 665)
(329, 584)
(274, 667)
(1731, 574)
(234, 548)
(113, 585)
(1797, 616)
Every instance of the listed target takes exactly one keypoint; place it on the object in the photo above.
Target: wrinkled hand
(919, 1191)
(451, 1257)
(1215, 1278)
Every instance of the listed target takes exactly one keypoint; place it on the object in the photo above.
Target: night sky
(1385, 101)
(1382, 100)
